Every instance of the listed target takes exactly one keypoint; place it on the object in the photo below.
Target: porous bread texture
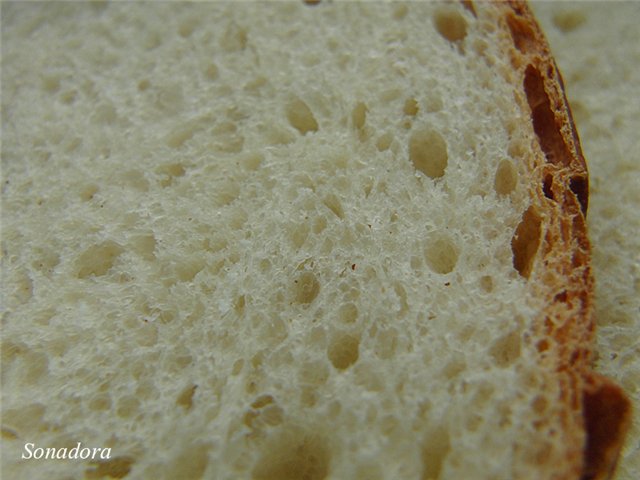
(597, 47)
(276, 241)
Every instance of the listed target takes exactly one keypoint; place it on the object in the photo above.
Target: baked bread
(282, 241)
(597, 47)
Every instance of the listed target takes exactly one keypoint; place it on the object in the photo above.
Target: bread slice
(283, 241)
(597, 49)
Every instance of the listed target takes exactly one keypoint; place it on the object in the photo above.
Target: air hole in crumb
(359, 115)
(542, 345)
(450, 24)
(272, 415)
(134, 179)
(428, 152)
(319, 224)
(568, 20)
(277, 135)
(105, 113)
(128, 407)
(561, 297)
(23, 287)
(453, 369)
(251, 161)
(343, 351)
(88, 192)
(525, 242)
(98, 259)
(483, 395)
(305, 288)
(144, 85)
(165, 316)
(185, 399)
(486, 283)
(181, 134)
(540, 404)
(400, 11)
(239, 304)
(433, 103)
(435, 449)
(116, 467)
(100, 402)
(45, 259)
(234, 38)
(466, 333)
(366, 375)
(521, 33)
(314, 373)
(308, 396)
(188, 26)
(187, 269)
(262, 401)
(51, 83)
(384, 142)
(25, 419)
(225, 194)
(293, 455)
(468, 4)
(410, 107)
(36, 366)
(253, 86)
(211, 72)
(237, 366)
(301, 117)
(441, 254)
(547, 186)
(348, 313)
(506, 349)
(480, 46)
(266, 415)
(169, 172)
(191, 462)
(68, 96)
(144, 245)
(544, 120)
(580, 187)
(386, 343)
(506, 178)
(333, 203)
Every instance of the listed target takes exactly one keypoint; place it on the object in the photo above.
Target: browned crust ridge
(551, 249)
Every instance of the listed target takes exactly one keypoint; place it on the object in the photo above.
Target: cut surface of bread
(283, 241)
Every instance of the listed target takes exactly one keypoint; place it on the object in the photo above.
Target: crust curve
(594, 412)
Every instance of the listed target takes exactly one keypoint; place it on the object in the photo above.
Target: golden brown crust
(594, 412)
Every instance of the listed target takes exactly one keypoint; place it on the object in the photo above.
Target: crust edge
(596, 407)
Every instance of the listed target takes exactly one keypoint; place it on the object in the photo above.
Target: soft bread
(279, 241)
